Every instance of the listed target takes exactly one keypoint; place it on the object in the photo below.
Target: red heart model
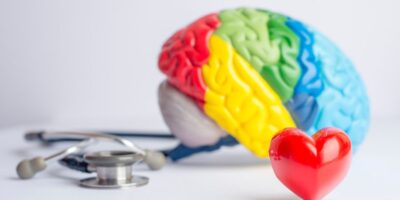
(310, 166)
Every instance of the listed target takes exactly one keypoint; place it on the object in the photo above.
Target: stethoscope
(113, 168)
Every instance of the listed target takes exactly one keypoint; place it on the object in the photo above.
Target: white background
(97, 60)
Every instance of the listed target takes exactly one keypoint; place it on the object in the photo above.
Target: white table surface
(229, 174)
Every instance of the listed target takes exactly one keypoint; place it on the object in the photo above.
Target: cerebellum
(255, 72)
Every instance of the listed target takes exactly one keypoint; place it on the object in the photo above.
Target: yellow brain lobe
(240, 100)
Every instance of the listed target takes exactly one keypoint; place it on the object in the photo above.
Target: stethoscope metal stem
(72, 149)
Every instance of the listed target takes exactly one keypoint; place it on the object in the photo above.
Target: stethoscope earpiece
(27, 168)
(155, 160)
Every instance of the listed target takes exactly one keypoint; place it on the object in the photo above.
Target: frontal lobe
(330, 92)
(343, 102)
(303, 105)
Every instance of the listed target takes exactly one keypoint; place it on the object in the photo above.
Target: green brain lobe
(264, 40)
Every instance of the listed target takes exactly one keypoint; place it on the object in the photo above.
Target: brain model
(249, 73)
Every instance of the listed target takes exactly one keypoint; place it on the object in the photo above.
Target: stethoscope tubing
(51, 137)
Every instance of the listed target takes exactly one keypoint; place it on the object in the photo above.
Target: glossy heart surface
(310, 166)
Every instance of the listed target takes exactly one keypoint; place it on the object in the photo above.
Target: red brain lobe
(183, 55)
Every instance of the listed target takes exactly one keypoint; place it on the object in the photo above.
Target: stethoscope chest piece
(114, 170)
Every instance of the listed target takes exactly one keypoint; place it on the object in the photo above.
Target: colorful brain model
(254, 72)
